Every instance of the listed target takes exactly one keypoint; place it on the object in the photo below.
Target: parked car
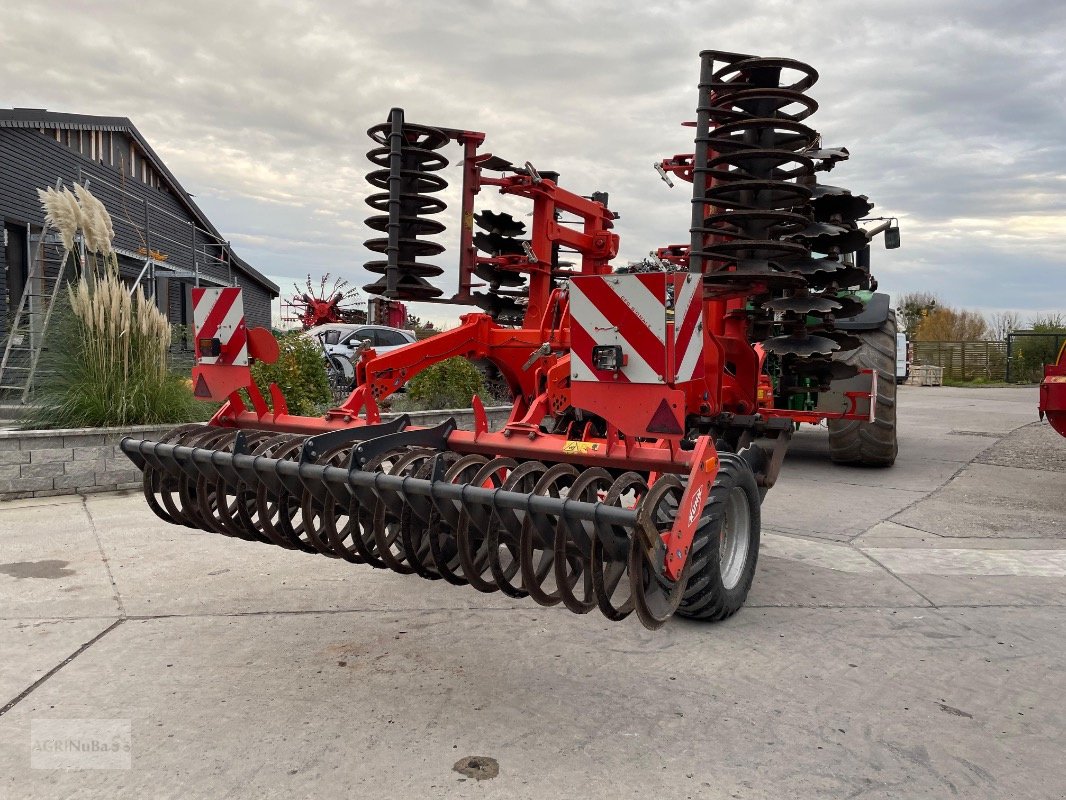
(344, 338)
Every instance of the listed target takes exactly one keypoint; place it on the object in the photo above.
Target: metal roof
(42, 118)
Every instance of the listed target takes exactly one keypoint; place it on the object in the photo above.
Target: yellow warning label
(581, 447)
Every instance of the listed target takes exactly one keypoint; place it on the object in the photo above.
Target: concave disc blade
(500, 277)
(822, 368)
(496, 164)
(497, 245)
(834, 201)
(803, 305)
(810, 266)
(849, 307)
(845, 341)
(501, 223)
(800, 345)
(842, 279)
(823, 237)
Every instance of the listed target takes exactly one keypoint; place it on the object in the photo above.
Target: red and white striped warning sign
(635, 312)
(619, 310)
(218, 319)
(688, 328)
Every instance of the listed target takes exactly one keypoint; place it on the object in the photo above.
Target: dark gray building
(162, 238)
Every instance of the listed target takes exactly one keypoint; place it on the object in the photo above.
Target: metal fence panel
(1029, 351)
(965, 361)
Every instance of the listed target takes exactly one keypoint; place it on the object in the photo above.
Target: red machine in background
(313, 307)
(651, 405)
(391, 313)
(1053, 393)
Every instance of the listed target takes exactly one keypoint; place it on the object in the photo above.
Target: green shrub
(300, 373)
(449, 384)
(107, 362)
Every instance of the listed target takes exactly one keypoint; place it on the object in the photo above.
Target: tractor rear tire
(725, 550)
(870, 444)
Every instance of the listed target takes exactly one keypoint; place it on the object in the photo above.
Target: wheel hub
(735, 538)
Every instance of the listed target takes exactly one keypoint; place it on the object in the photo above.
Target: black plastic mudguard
(873, 315)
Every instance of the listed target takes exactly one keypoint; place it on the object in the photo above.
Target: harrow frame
(602, 470)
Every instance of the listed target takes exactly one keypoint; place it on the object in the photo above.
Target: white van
(903, 358)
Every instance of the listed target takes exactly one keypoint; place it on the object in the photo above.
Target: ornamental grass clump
(106, 362)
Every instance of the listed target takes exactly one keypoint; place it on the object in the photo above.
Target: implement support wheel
(725, 549)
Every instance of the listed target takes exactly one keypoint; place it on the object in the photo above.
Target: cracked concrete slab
(892, 534)
(987, 500)
(777, 702)
(162, 569)
(788, 583)
(945, 561)
(51, 565)
(32, 647)
(989, 590)
(913, 475)
(831, 510)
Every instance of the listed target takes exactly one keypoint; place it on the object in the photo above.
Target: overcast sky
(954, 112)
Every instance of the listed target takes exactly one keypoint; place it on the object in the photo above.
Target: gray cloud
(953, 111)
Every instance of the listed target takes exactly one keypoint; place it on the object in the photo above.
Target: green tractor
(868, 341)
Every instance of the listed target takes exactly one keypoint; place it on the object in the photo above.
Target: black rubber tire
(870, 444)
(340, 372)
(706, 596)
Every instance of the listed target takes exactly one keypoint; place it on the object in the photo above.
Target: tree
(413, 323)
(1002, 323)
(946, 324)
(912, 306)
(1048, 323)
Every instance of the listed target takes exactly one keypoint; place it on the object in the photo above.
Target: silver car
(341, 342)
(344, 339)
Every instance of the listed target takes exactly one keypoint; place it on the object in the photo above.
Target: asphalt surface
(904, 638)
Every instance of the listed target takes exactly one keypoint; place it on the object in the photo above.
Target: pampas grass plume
(61, 211)
(96, 222)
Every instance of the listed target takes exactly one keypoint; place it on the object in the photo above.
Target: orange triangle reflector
(664, 421)
(201, 389)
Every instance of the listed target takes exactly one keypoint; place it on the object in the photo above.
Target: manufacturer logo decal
(696, 507)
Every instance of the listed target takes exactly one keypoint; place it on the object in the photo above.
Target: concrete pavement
(904, 638)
